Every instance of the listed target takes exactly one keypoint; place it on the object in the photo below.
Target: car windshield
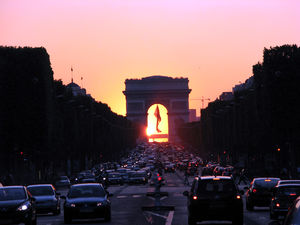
(265, 183)
(41, 190)
(216, 185)
(86, 191)
(7, 194)
(289, 191)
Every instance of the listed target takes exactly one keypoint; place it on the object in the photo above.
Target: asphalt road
(127, 203)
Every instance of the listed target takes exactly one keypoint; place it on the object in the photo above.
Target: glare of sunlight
(157, 133)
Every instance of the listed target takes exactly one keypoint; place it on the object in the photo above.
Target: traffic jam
(156, 183)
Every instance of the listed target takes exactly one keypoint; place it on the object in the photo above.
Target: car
(139, 177)
(47, 199)
(214, 198)
(293, 215)
(288, 182)
(260, 192)
(17, 206)
(114, 178)
(62, 181)
(85, 201)
(169, 168)
(283, 197)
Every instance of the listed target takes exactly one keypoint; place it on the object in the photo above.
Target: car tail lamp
(254, 190)
(292, 194)
(216, 178)
(277, 205)
(159, 178)
(238, 197)
(195, 197)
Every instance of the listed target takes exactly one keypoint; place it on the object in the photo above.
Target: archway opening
(157, 121)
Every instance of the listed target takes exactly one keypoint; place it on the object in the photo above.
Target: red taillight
(159, 178)
(254, 190)
(195, 197)
(277, 205)
(238, 197)
(292, 194)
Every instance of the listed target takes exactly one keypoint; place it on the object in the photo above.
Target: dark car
(260, 192)
(138, 177)
(114, 178)
(85, 201)
(17, 206)
(284, 196)
(47, 199)
(293, 215)
(62, 182)
(214, 198)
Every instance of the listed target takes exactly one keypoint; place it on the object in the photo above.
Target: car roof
(214, 177)
(289, 185)
(14, 186)
(266, 178)
(40, 185)
(288, 181)
(86, 184)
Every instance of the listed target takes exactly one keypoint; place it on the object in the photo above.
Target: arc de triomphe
(173, 93)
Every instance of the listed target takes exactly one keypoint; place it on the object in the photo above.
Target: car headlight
(99, 204)
(23, 207)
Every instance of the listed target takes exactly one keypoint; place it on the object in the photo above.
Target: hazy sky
(212, 42)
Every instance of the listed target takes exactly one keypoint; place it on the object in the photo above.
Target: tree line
(259, 127)
(45, 129)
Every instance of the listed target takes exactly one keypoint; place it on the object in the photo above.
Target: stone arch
(173, 93)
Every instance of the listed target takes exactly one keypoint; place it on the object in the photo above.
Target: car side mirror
(246, 188)
(110, 194)
(242, 192)
(186, 193)
(63, 197)
(57, 193)
(33, 199)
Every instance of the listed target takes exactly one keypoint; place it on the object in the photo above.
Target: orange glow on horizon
(163, 125)
(214, 43)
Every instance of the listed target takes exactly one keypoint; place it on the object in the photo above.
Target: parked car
(17, 206)
(260, 192)
(85, 201)
(284, 196)
(214, 198)
(47, 199)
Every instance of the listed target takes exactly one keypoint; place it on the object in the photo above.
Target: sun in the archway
(157, 129)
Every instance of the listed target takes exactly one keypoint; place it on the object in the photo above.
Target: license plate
(86, 210)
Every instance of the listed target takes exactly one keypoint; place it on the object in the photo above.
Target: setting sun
(157, 130)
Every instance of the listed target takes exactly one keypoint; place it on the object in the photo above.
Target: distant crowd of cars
(214, 193)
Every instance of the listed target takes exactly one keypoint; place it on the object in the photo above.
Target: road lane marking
(156, 214)
(163, 197)
(170, 218)
(136, 196)
(121, 196)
